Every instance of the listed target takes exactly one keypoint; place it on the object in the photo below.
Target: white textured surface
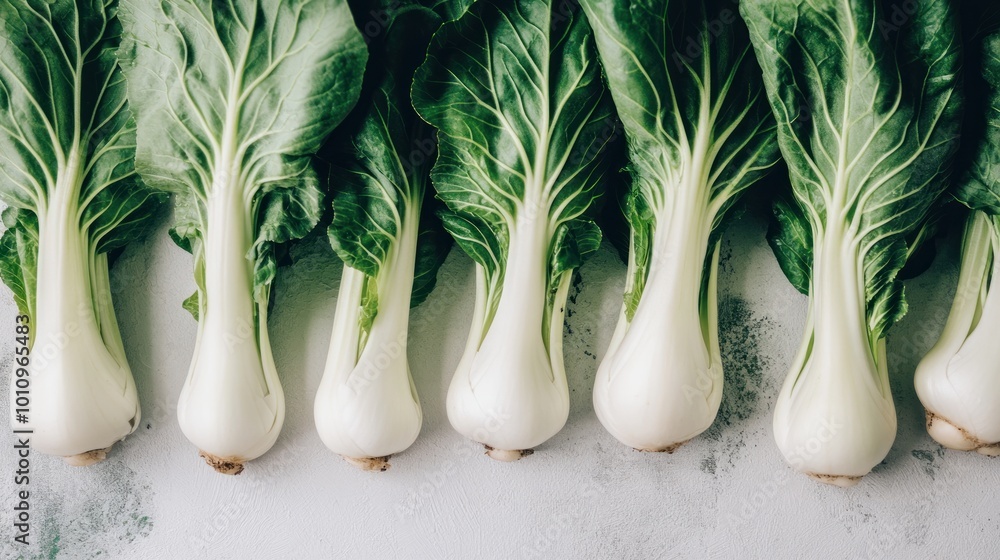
(582, 495)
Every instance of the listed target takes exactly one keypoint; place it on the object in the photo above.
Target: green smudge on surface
(741, 336)
(92, 512)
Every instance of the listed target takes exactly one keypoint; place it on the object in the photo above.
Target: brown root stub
(376, 464)
(668, 449)
(990, 450)
(952, 436)
(88, 458)
(227, 465)
(836, 480)
(507, 455)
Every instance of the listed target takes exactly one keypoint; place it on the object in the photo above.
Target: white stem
(958, 381)
(366, 406)
(834, 418)
(232, 406)
(83, 397)
(661, 382)
(509, 392)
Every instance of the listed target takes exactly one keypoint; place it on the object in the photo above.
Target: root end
(376, 464)
(507, 456)
(954, 437)
(88, 458)
(668, 449)
(223, 465)
(836, 480)
(990, 450)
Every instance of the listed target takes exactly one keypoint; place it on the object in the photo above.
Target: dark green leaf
(868, 117)
(791, 240)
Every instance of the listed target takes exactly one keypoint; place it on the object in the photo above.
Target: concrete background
(727, 494)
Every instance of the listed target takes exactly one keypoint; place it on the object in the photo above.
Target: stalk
(958, 381)
(83, 397)
(232, 406)
(509, 393)
(834, 419)
(661, 382)
(367, 408)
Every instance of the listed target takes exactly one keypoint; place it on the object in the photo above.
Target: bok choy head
(231, 100)
(700, 132)
(868, 117)
(516, 94)
(392, 244)
(67, 142)
(958, 381)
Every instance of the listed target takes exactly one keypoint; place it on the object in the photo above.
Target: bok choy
(232, 100)
(516, 94)
(700, 132)
(67, 142)
(868, 118)
(958, 381)
(392, 245)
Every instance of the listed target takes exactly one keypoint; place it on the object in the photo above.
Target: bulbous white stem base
(366, 408)
(958, 381)
(834, 419)
(660, 384)
(232, 406)
(509, 391)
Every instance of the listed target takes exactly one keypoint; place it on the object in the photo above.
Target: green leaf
(980, 189)
(790, 237)
(868, 119)
(449, 10)
(433, 244)
(18, 257)
(66, 134)
(690, 97)
(516, 94)
(475, 238)
(240, 96)
(191, 305)
(381, 164)
(573, 241)
(921, 247)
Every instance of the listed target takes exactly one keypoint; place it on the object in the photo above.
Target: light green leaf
(18, 257)
(516, 94)
(66, 133)
(239, 97)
